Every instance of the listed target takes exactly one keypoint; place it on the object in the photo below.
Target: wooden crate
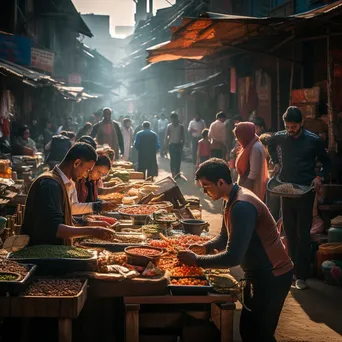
(56, 307)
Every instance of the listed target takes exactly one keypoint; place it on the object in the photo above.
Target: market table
(65, 309)
(221, 312)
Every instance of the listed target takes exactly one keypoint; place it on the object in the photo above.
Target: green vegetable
(7, 277)
(51, 252)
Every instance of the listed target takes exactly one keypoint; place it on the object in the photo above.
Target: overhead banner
(15, 49)
(42, 60)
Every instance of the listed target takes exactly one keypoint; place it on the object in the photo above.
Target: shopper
(204, 148)
(249, 238)
(196, 126)
(86, 129)
(300, 149)
(174, 139)
(147, 144)
(23, 144)
(127, 134)
(217, 136)
(251, 164)
(108, 132)
(162, 126)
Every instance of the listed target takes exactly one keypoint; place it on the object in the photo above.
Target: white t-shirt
(198, 126)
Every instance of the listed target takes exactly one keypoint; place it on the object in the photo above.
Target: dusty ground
(314, 315)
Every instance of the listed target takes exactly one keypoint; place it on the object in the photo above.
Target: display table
(220, 312)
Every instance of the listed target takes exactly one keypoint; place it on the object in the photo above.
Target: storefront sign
(74, 79)
(42, 59)
(15, 49)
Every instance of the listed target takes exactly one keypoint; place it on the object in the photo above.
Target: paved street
(313, 315)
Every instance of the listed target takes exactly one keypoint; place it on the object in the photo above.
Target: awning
(28, 76)
(183, 87)
(200, 37)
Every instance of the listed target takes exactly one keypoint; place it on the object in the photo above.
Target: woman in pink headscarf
(251, 164)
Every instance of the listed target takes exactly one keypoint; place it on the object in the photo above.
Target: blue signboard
(15, 49)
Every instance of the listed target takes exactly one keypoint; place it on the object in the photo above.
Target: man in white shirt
(162, 125)
(196, 126)
(217, 136)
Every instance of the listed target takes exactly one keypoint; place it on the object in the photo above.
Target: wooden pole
(278, 95)
(291, 77)
(331, 135)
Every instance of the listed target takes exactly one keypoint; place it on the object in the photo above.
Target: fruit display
(166, 264)
(51, 252)
(189, 282)
(180, 242)
(12, 266)
(186, 271)
(54, 288)
(140, 210)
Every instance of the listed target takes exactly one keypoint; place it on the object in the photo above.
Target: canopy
(200, 37)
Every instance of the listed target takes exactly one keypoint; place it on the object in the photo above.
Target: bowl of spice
(141, 256)
(290, 190)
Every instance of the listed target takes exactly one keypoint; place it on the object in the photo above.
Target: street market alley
(313, 315)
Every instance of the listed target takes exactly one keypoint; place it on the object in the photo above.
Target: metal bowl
(275, 181)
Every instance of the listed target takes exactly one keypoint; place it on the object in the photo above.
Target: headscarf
(245, 134)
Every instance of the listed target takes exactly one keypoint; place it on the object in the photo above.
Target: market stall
(135, 276)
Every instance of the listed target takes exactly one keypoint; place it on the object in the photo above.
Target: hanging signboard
(15, 49)
(42, 59)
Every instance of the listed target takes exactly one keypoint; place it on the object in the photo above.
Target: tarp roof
(190, 85)
(200, 37)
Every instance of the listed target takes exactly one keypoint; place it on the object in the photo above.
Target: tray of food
(194, 286)
(46, 297)
(278, 188)
(152, 231)
(15, 277)
(93, 218)
(115, 197)
(141, 256)
(138, 210)
(56, 259)
(162, 216)
(222, 281)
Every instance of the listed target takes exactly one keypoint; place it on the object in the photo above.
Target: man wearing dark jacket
(108, 131)
(300, 150)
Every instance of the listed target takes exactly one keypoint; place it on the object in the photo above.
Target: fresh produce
(7, 277)
(109, 220)
(12, 266)
(167, 263)
(186, 271)
(180, 242)
(139, 210)
(54, 287)
(51, 252)
(288, 188)
(152, 231)
(148, 252)
(189, 282)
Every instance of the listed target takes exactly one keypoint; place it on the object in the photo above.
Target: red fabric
(204, 148)
(82, 190)
(245, 134)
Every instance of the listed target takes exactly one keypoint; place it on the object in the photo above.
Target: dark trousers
(194, 143)
(217, 154)
(175, 151)
(264, 296)
(297, 221)
(273, 204)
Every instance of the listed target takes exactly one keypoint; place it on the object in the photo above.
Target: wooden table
(65, 309)
(221, 312)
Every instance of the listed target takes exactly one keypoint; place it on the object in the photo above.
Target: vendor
(23, 144)
(249, 238)
(89, 188)
(48, 218)
(300, 150)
